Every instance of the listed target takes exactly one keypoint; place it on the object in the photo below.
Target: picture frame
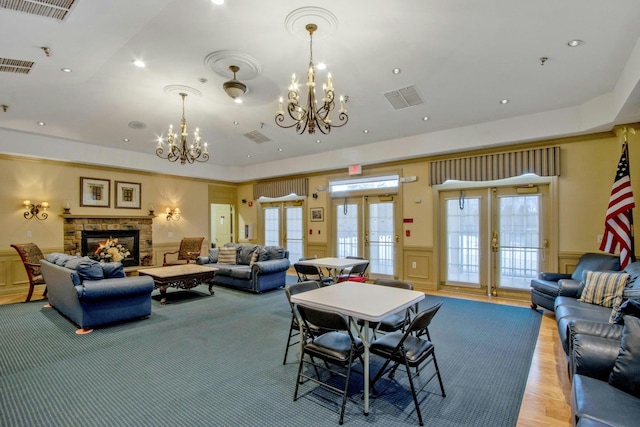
(317, 214)
(95, 192)
(127, 195)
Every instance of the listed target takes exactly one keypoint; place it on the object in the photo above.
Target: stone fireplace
(83, 233)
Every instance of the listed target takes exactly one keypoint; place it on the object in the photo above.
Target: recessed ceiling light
(318, 141)
(397, 71)
(321, 66)
(248, 156)
(425, 118)
(42, 124)
(217, 2)
(125, 139)
(238, 101)
(139, 63)
(365, 131)
(280, 150)
(66, 70)
(504, 101)
(235, 122)
(575, 43)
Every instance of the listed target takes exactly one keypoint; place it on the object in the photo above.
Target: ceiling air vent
(15, 65)
(256, 136)
(403, 98)
(56, 9)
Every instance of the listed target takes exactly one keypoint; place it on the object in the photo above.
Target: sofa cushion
(243, 273)
(632, 290)
(113, 270)
(274, 252)
(89, 269)
(626, 371)
(629, 307)
(245, 252)
(63, 259)
(603, 288)
(73, 263)
(595, 262)
(227, 255)
(213, 255)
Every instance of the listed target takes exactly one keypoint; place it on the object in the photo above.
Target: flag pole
(632, 248)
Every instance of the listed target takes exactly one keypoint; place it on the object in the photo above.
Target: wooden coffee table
(185, 276)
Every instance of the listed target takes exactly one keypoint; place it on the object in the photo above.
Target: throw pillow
(254, 257)
(629, 307)
(89, 269)
(603, 288)
(626, 370)
(227, 255)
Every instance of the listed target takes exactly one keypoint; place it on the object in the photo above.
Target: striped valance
(297, 186)
(489, 167)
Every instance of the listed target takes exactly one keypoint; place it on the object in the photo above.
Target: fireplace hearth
(94, 240)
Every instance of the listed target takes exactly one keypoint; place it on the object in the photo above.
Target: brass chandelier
(310, 118)
(179, 149)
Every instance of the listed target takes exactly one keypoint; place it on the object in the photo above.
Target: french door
(365, 227)
(283, 226)
(494, 239)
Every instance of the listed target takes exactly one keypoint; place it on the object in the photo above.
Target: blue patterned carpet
(217, 361)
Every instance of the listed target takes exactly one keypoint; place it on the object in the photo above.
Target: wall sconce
(39, 211)
(173, 214)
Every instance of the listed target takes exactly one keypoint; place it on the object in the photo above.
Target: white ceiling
(462, 56)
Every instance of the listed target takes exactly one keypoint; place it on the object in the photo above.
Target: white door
(283, 226)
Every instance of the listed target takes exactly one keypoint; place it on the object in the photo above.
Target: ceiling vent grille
(56, 9)
(256, 136)
(15, 66)
(404, 98)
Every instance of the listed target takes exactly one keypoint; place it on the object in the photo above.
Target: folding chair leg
(291, 335)
(435, 365)
(413, 392)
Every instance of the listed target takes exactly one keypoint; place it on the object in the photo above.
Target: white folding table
(370, 303)
(334, 265)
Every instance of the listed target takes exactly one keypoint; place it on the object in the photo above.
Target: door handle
(494, 242)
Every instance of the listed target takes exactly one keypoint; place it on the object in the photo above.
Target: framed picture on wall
(127, 195)
(95, 192)
(317, 214)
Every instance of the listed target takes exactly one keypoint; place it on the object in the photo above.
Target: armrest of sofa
(568, 288)
(270, 266)
(92, 290)
(202, 259)
(598, 329)
(553, 277)
(593, 356)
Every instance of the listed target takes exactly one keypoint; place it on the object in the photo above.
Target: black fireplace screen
(113, 245)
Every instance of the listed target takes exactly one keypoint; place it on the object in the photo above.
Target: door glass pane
(381, 238)
(294, 243)
(463, 241)
(519, 240)
(347, 230)
(272, 226)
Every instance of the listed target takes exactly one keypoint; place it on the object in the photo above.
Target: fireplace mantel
(86, 216)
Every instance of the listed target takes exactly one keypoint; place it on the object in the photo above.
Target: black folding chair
(410, 349)
(294, 328)
(308, 272)
(337, 348)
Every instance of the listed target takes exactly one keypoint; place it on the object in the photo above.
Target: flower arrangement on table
(111, 251)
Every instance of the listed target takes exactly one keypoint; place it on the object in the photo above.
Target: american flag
(619, 221)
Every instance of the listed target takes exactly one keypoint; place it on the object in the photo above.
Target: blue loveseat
(92, 294)
(253, 268)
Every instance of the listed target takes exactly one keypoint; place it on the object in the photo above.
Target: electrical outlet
(170, 234)
(599, 238)
(28, 233)
(413, 264)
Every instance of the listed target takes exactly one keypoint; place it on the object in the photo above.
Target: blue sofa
(92, 294)
(256, 268)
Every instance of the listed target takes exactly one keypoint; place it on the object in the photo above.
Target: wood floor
(546, 398)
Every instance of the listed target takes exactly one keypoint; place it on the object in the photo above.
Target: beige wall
(588, 166)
